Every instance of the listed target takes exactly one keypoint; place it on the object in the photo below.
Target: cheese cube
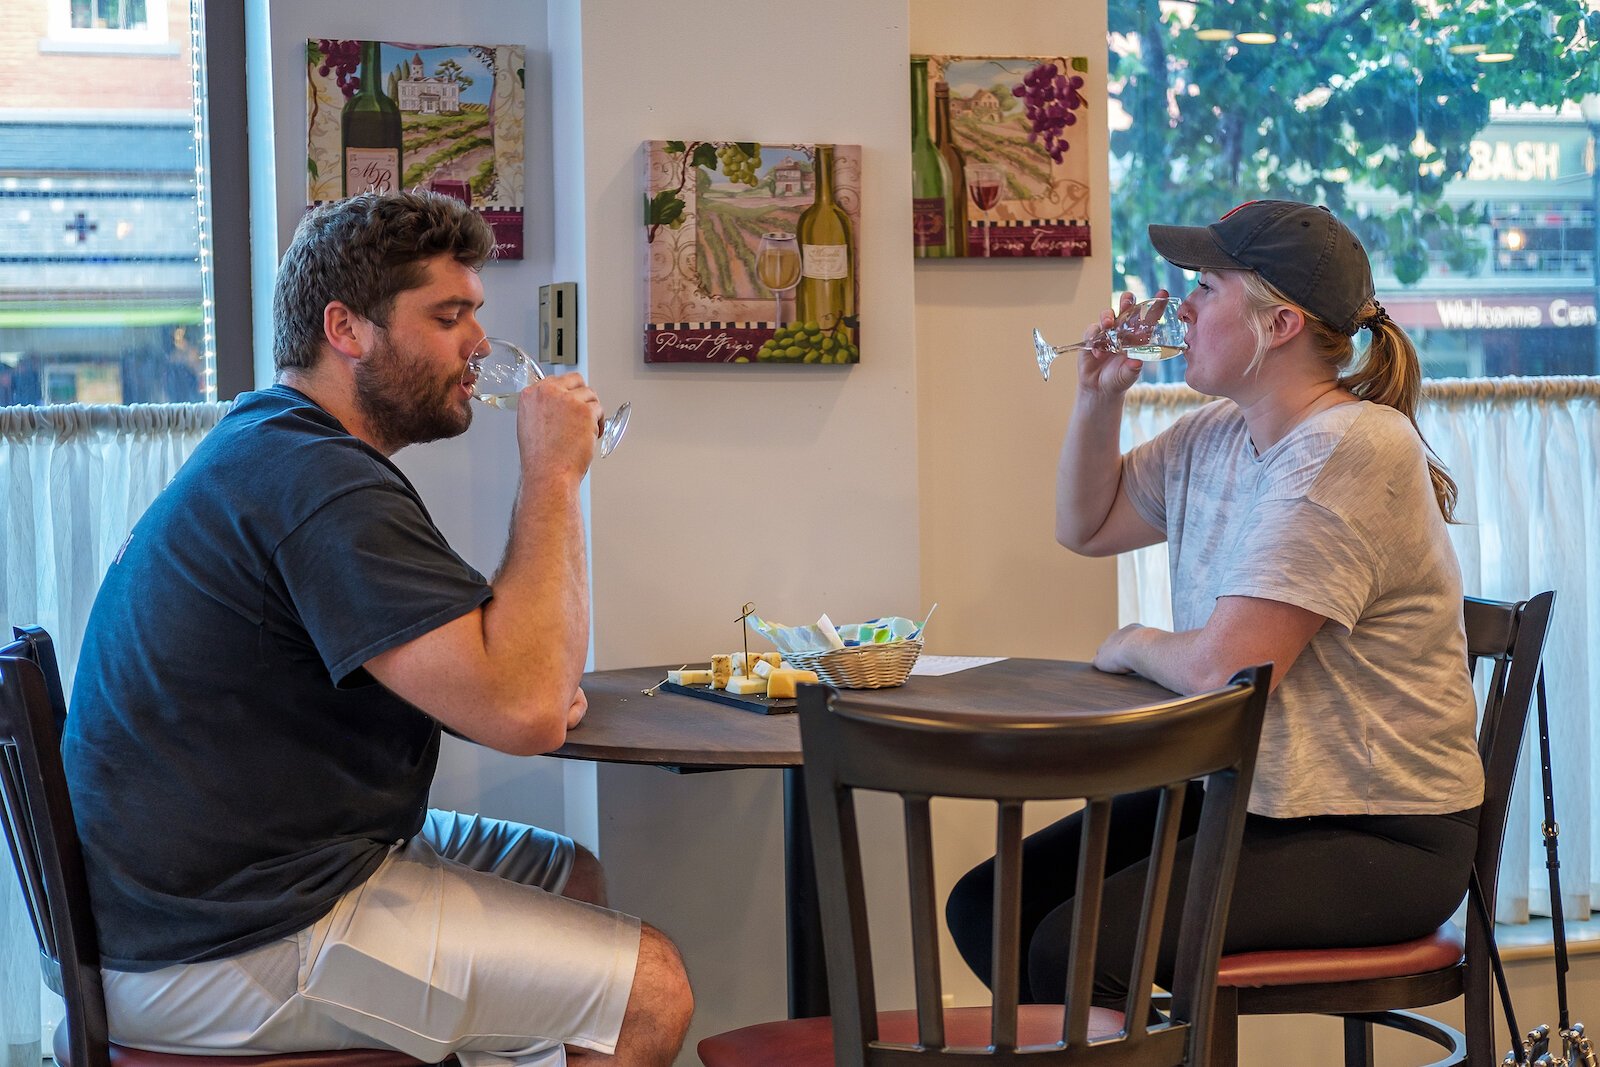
(721, 671)
(751, 664)
(781, 683)
(689, 677)
(746, 684)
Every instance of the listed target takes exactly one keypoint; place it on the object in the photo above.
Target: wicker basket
(861, 666)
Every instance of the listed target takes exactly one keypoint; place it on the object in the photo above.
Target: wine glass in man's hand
(499, 369)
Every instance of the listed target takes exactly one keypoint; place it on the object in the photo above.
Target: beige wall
(989, 428)
(792, 487)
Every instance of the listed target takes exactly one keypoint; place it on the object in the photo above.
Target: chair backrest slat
(1158, 883)
(19, 827)
(43, 838)
(1008, 924)
(1086, 917)
(1088, 758)
(924, 921)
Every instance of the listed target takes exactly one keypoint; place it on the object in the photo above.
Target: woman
(1306, 526)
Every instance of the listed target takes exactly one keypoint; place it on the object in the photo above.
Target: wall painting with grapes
(448, 118)
(752, 252)
(999, 151)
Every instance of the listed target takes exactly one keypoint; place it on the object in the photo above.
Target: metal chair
(1093, 758)
(1372, 986)
(37, 813)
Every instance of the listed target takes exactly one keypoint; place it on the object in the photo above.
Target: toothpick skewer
(744, 631)
(652, 690)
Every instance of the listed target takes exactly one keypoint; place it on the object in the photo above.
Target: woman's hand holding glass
(499, 370)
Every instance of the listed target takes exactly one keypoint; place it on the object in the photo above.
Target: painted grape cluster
(344, 59)
(1049, 99)
(739, 165)
(808, 342)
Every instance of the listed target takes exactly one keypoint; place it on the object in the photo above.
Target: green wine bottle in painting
(944, 137)
(931, 235)
(371, 132)
(827, 292)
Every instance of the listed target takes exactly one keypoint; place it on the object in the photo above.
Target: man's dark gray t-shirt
(233, 767)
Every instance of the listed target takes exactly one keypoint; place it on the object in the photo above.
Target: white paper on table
(933, 666)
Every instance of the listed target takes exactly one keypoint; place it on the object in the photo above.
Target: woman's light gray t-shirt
(1377, 715)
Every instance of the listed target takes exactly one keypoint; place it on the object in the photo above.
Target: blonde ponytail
(1391, 374)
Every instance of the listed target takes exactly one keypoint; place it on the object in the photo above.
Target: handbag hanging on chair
(1575, 1049)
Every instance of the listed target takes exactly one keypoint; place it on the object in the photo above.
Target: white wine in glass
(498, 370)
(778, 268)
(1150, 330)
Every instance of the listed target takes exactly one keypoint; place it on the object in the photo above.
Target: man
(267, 668)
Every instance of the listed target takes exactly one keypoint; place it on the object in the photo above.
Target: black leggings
(1319, 882)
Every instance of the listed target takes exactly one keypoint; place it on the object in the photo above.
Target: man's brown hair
(363, 252)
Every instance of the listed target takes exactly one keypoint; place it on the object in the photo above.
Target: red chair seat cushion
(1442, 949)
(809, 1042)
(136, 1057)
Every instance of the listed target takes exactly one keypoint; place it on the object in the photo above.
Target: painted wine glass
(984, 182)
(778, 268)
(499, 369)
(1149, 330)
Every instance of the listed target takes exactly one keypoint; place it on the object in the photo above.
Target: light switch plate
(558, 323)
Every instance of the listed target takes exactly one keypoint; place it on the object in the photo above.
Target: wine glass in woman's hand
(1150, 330)
(498, 370)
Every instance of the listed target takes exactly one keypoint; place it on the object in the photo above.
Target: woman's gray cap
(1307, 254)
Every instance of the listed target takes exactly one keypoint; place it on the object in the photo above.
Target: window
(1552, 238)
(109, 25)
(106, 221)
(1456, 138)
(109, 15)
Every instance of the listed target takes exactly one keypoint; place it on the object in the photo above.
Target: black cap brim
(1192, 248)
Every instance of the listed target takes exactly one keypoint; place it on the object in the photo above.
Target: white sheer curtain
(1523, 452)
(73, 480)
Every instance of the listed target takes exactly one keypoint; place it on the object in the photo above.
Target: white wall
(989, 427)
(830, 521)
(468, 482)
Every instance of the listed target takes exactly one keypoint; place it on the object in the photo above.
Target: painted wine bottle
(931, 235)
(371, 132)
(944, 138)
(827, 292)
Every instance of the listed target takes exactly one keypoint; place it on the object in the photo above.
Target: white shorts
(457, 944)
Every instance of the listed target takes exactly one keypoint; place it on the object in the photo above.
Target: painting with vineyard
(728, 231)
(460, 124)
(1013, 152)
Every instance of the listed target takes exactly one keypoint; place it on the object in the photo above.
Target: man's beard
(405, 401)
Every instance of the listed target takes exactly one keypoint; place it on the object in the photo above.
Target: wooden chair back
(1011, 762)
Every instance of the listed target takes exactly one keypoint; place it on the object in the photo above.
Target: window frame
(225, 112)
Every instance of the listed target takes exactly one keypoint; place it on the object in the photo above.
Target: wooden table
(684, 733)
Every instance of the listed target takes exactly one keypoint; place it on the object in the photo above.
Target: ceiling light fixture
(1496, 57)
(1466, 49)
(1214, 35)
(1254, 37)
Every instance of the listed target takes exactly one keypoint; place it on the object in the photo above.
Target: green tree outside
(1383, 95)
